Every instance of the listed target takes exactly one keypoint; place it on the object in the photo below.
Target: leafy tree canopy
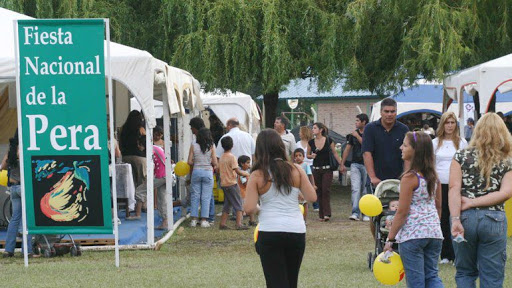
(258, 46)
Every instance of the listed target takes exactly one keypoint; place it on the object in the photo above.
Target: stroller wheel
(374, 256)
(369, 259)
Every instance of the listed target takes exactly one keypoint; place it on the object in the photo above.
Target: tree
(256, 46)
(395, 42)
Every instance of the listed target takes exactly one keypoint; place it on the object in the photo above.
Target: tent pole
(150, 177)
(168, 167)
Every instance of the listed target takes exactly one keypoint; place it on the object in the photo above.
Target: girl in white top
(445, 145)
(276, 182)
(305, 135)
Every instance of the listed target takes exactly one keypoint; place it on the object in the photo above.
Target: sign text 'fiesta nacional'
(64, 126)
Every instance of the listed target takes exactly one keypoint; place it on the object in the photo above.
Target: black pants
(281, 256)
(447, 249)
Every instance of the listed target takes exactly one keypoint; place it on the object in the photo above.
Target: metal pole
(112, 144)
(168, 168)
(291, 120)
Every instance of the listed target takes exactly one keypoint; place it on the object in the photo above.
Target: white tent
(485, 78)
(227, 105)
(137, 70)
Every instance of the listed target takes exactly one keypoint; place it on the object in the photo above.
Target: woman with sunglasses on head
(318, 150)
(446, 145)
(416, 226)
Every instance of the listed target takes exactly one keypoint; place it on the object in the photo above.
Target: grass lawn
(197, 257)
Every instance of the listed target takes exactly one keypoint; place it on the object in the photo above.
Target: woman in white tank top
(277, 182)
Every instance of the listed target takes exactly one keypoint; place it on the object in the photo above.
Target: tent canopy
(137, 70)
(227, 105)
(486, 79)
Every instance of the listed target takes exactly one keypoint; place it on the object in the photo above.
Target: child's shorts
(232, 198)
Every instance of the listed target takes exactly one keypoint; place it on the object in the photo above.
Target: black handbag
(332, 160)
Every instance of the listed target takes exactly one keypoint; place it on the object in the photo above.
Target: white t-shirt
(306, 160)
(289, 143)
(444, 157)
(243, 143)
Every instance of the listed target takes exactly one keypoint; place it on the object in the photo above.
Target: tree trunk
(270, 102)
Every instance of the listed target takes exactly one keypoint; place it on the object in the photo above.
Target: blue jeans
(201, 186)
(315, 204)
(212, 209)
(358, 177)
(419, 257)
(485, 252)
(16, 223)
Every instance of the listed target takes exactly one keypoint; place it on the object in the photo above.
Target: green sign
(63, 116)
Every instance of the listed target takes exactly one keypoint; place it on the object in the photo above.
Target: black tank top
(322, 156)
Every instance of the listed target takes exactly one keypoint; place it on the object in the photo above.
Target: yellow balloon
(3, 178)
(370, 205)
(301, 208)
(256, 231)
(182, 168)
(389, 273)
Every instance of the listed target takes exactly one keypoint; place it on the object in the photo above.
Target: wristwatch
(455, 218)
(390, 240)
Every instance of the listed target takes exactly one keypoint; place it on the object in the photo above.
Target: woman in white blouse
(448, 141)
(305, 135)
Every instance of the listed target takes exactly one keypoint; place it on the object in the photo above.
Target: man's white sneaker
(366, 219)
(205, 224)
(193, 223)
(444, 261)
(353, 217)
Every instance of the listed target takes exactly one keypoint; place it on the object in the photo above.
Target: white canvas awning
(227, 105)
(485, 78)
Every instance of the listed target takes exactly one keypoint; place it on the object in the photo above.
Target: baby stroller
(386, 191)
(52, 245)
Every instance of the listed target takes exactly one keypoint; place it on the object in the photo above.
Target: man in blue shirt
(381, 144)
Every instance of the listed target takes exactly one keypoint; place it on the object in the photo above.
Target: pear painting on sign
(62, 117)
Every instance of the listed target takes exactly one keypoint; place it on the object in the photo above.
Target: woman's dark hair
(242, 159)
(204, 139)
(158, 131)
(196, 123)
(130, 132)
(321, 125)
(271, 156)
(423, 159)
(12, 155)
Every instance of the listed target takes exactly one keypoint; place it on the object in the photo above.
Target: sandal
(130, 218)
(224, 227)
(326, 218)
